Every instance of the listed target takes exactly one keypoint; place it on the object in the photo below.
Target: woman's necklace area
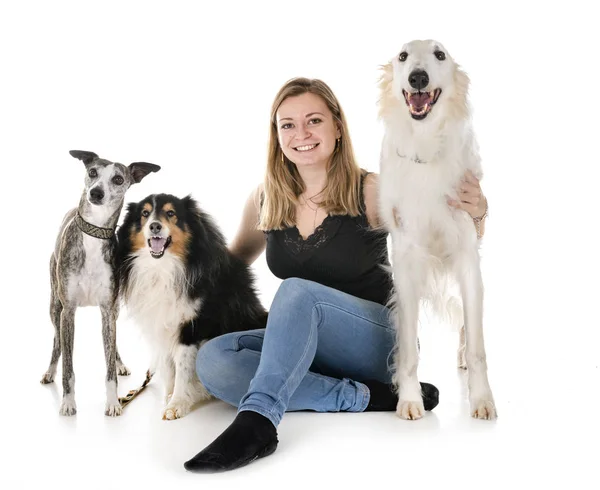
(316, 208)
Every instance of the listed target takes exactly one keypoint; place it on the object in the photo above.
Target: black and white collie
(183, 287)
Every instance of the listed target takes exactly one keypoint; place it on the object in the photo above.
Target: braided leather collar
(93, 230)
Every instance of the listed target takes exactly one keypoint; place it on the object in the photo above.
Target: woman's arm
(249, 242)
(371, 196)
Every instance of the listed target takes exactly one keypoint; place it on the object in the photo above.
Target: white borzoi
(428, 146)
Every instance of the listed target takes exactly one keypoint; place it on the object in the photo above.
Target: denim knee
(295, 290)
(211, 362)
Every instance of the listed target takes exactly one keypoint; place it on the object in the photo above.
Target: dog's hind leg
(109, 334)
(67, 333)
(55, 310)
(471, 284)
(121, 368)
(408, 284)
(461, 354)
(188, 390)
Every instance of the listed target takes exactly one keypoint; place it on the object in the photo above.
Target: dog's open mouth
(158, 245)
(420, 103)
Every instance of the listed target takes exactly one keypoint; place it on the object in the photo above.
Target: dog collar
(93, 230)
(416, 159)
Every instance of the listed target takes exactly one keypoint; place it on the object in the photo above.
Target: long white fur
(433, 245)
(156, 299)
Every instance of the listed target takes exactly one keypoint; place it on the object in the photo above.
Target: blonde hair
(283, 184)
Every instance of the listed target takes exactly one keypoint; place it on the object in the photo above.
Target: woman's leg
(340, 338)
(309, 325)
(312, 324)
(227, 364)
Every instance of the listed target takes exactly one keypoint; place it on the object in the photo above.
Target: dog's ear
(190, 203)
(139, 170)
(86, 157)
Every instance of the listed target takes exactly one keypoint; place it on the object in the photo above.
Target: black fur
(224, 282)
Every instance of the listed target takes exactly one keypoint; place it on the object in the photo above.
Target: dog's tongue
(157, 244)
(419, 100)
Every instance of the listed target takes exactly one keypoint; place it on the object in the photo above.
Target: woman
(329, 336)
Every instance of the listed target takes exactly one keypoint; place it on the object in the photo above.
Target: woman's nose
(302, 132)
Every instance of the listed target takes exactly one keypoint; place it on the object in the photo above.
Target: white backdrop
(189, 85)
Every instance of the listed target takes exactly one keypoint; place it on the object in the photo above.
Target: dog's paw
(483, 409)
(176, 410)
(122, 369)
(68, 407)
(410, 410)
(47, 379)
(113, 410)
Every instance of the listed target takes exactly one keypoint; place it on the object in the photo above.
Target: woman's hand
(471, 198)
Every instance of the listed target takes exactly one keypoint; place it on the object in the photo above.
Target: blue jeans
(318, 343)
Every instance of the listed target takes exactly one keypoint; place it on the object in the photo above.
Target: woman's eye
(286, 126)
(92, 173)
(315, 120)
(170, 214)
(145, 213)
(118, 180)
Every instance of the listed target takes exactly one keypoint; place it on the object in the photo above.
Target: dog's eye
(170, 213)
(92, 173)
(440, 55)
(145, 213)
(403, 56)
(118, 180)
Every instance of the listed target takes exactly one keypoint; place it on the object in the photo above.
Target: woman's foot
(384, 399)
(250, 436)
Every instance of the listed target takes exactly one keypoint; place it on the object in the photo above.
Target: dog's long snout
(418, 79)
(155, 227)
(96, 195)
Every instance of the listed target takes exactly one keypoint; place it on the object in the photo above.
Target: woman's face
(306, 130)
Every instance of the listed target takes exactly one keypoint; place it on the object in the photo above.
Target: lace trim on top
(326, 230)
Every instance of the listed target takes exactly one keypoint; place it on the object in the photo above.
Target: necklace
(316, 209)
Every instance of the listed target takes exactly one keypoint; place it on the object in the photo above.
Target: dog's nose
(155, 227)
(418, 79)
(97, 194)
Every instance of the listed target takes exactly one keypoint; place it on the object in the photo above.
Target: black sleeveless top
(343, 253)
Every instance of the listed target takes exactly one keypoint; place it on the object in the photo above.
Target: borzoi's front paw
(408, 410)
(483, 409)
(68, 407)
(176, 410)
(113, 410)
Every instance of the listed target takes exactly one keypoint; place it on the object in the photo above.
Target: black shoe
(384, 399)
(250, 436)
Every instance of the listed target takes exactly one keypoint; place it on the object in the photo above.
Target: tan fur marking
(179, 237)
(138, 241)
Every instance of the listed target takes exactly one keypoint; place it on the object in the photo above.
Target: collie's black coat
(223, 283)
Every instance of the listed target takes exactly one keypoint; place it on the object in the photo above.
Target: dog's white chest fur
(156, 298)
(92, 285)
(419, 172)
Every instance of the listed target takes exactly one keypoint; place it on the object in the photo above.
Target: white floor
(547, 406)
